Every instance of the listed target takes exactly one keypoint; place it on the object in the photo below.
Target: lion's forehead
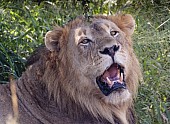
(103, 24)
(96, 25)
(91, 30)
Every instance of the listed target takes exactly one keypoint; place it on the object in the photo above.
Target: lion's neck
(103, 110)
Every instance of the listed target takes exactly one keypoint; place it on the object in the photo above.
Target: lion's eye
(114, 33)
(85, 42)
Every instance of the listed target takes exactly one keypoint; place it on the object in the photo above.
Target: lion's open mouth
(112, 79)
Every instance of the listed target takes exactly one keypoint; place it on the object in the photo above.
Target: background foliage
(23, 25)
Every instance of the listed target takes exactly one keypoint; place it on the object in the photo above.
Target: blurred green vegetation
(23, 25)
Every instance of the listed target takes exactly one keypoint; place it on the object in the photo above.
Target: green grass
(24, 24)
(154, 53)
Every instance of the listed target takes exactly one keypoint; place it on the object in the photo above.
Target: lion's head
(95, 64)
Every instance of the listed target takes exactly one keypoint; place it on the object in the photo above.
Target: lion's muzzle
(113, 78)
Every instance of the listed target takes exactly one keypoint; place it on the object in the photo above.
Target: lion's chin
(117, 97)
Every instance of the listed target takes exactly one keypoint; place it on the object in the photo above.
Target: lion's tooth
(108, 81)
(118, 75)
(113, 82)
(121, 77)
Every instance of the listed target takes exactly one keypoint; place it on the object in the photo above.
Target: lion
(87, 73)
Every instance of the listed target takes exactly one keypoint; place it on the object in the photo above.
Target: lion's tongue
(111, 74)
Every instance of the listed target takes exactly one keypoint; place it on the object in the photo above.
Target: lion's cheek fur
(133, 74)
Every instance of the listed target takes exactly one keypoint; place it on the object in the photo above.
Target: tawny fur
(54, 89)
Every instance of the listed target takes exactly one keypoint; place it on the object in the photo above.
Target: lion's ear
(52, 39)
(126, 23)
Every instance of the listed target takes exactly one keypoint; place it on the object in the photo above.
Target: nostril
(115, 48)
(105, 51)
(111, 50)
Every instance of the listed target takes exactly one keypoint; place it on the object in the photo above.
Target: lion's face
(100, 54)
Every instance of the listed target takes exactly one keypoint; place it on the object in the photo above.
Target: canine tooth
(118, 75)
(108, 81)
(121, 77)
(113, 82)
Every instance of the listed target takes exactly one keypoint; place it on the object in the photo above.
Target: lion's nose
(110, 50)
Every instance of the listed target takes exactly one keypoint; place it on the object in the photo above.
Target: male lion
(86, 74)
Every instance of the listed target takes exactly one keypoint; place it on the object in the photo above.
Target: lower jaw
(107, 90)
(117, 98)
